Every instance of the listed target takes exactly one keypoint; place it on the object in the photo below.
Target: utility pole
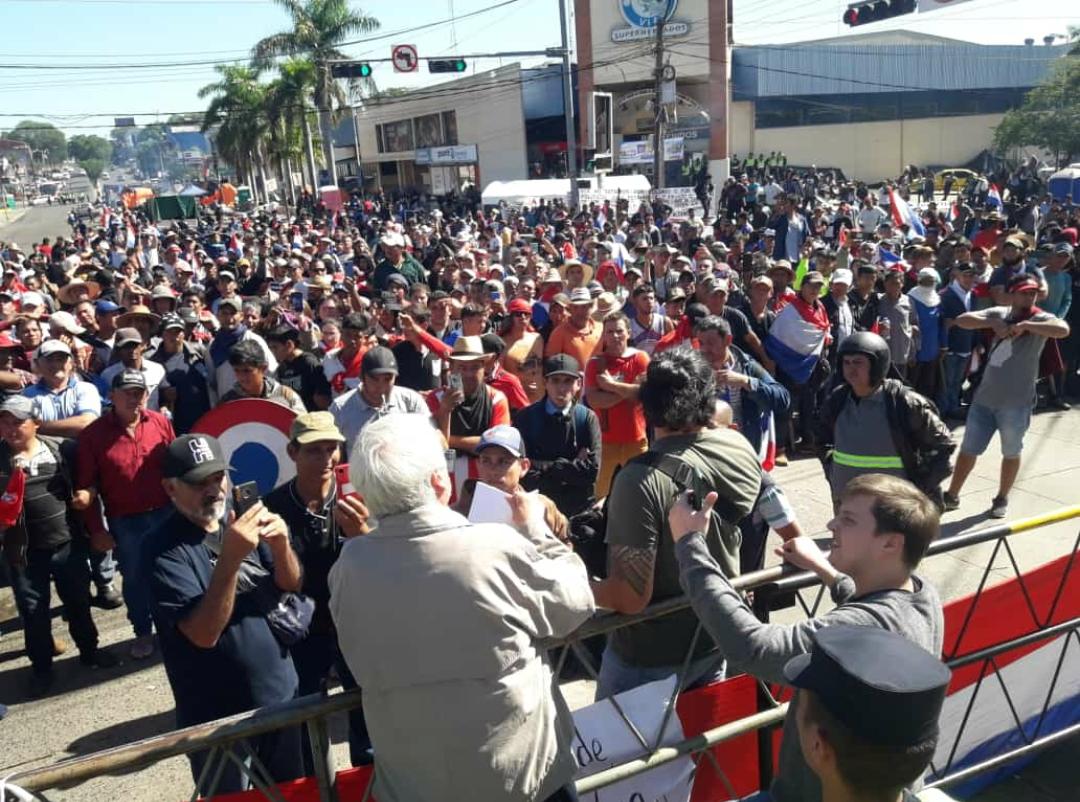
(658, 127)
(568, 108)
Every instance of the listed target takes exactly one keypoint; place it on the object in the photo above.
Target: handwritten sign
(602, 739)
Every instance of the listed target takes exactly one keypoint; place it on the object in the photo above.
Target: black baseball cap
(128, 378)
(192, 458)
(562, 364)
(886, 689)
(379, 359)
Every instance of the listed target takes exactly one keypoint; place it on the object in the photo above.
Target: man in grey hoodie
(880, 534)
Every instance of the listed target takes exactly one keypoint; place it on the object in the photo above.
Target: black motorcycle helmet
(874, 346)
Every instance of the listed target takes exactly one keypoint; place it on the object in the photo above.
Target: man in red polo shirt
(119, 460)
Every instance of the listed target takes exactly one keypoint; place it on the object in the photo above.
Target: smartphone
(345, 487)
(454, 382)
(245, 496)
(297, 302)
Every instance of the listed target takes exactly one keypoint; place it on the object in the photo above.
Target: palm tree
(238, 108)
(319, 28)
(288, 108)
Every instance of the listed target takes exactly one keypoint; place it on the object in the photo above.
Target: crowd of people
(632, 382)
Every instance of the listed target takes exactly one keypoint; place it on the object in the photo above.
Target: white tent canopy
(191, 191)
(531, 191)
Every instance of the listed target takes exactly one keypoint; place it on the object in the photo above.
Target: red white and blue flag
(797, 338)
(993, 198)
(903, 214)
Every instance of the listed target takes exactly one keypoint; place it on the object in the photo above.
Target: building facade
(437, 139)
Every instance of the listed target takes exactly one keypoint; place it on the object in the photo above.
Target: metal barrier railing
(225, 739)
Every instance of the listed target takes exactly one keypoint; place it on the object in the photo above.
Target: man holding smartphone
(208, 573)
(320, 518)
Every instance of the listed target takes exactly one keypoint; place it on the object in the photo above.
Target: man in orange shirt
(578, 334)
(612, 380)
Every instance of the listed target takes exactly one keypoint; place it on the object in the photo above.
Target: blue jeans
(616, 676)
(102, 568)
(955, 368)
(132, 533)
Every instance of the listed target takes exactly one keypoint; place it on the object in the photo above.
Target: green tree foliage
(237, 111)
(41, 136)
(319, 28)
(1049, 117)
(93, 167)
(82, 147)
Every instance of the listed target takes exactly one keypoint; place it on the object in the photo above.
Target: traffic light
(446, 65)
(876, 10)
(352, 69)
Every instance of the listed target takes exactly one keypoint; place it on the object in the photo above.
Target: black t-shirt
(305, 376)
(185, 372)
(740, 326)
(415, 370)
(247, 668)
(314, 538)
(45, 501)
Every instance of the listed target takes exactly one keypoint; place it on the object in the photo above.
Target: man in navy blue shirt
(209, 585)
(956, 301)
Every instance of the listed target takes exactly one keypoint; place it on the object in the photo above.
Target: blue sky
(78, 33)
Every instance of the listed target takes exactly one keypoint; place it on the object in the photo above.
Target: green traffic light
(459, 65)
(365, 70)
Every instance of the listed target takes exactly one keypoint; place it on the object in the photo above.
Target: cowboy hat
(137, 312)
(587, 270)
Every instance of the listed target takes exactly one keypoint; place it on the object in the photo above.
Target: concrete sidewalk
(93, 710)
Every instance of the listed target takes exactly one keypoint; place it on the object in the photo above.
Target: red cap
(6, 341)
(1024, 283)
(519, 305)
(1070, 235)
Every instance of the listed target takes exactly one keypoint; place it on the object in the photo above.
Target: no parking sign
(254, 434)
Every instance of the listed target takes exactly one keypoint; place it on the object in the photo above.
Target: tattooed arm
(629, 584)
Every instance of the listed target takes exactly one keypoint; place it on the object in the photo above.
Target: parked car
(960, 178)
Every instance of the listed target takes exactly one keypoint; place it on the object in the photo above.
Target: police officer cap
(886, 689)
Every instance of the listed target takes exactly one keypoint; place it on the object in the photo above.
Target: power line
(439, 90)
(152, 65)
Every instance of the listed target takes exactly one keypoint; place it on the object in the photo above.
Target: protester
(562, 439)
(210, 574)
(319, 522)
(119, 462)
(612, 385)
(250, 367)
(483, 702)
(1004, 399)
(47, 545)
(376, 395)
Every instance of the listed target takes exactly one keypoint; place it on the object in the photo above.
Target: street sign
(404, 58)
(123, 122)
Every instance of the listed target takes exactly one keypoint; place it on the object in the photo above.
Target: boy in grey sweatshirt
(880, 534)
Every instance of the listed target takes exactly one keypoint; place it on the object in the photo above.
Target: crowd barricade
(1013, 645)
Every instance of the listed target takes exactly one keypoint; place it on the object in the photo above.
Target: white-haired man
(439, 621)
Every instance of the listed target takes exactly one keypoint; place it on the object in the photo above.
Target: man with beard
(1012, 265)
(208, 579)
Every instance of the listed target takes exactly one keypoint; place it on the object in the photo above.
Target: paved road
(94, 710)
(36, 223)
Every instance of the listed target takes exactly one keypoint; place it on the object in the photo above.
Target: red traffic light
(876, 10)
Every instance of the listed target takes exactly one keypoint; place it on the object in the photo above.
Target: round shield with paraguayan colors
(254, 434)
